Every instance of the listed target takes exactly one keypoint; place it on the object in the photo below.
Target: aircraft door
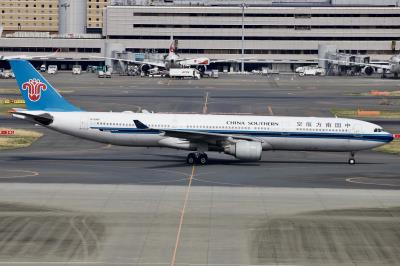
(84, 123)
(357, 134)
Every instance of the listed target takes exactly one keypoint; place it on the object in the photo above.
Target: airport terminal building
(275, 34)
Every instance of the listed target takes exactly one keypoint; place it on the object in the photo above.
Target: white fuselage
(275, 133)
(174, 60)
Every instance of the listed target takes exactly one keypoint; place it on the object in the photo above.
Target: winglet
(140, 125)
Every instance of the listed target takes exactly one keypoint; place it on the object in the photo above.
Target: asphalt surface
(70, 201)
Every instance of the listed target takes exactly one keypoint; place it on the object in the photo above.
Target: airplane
(392, 66)
(173, 60)
(242, 136)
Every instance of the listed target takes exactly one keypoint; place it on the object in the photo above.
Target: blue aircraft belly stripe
(317, 135)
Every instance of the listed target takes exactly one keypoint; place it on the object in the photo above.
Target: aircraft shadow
(171, 161)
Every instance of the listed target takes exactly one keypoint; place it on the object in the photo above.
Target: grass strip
(20, 139)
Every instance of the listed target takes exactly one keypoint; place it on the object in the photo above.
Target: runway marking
(103, 147)
(270, 110)
(178, 235)
(163, 181)
(133, 167)
(216, 182)
(205, 104)
(28, 174)
(81, 236)
(353, 180)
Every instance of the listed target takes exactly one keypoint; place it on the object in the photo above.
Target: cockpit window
(378, 130)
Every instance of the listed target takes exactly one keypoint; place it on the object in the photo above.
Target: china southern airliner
(244, 137)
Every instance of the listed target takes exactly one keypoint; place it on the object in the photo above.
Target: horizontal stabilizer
(43, 119)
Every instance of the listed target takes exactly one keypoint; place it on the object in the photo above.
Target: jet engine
(176, 143)
(368, 70)
(245, 150)
(145, 68)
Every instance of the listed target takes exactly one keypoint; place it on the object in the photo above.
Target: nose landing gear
(197, 158)
(352, 160)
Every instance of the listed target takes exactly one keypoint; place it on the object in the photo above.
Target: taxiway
(66, 201)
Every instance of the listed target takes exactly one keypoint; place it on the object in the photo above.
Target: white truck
(52, 69)
(76, 69)
(184, 73)
(310, 71)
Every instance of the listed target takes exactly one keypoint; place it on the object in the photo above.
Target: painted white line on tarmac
(270, 110)
(357, 181)
(22, 174)
(205, 105)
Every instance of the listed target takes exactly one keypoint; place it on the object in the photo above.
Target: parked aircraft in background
(174, 60)
(392, 66)
(244, 137)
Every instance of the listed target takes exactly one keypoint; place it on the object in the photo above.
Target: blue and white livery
(244, 137)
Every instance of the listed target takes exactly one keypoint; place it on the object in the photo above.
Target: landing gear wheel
(203, 159)
(352, 161)
(191, 158)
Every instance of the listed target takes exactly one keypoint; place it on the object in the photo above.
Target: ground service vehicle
(184, 73)
(76, 69)
(52, 69)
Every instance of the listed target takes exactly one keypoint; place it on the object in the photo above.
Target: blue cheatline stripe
(279, 134)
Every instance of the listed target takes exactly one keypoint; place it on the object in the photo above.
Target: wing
(386, 67)
(197, 136)
(28, 57)
(232, 60)
(151, 63)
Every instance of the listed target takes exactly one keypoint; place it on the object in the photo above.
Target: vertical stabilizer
(37, 92)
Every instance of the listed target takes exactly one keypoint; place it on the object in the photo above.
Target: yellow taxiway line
(178, 235)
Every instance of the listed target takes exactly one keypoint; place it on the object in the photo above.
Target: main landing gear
(352, 161)
(197, 158)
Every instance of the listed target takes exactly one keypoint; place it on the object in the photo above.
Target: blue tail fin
(37, 91)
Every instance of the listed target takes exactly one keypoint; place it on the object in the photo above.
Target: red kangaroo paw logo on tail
(34, 87)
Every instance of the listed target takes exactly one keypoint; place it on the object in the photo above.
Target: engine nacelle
(176, 143)
(145, 68)
(245, 150)
(368, 70)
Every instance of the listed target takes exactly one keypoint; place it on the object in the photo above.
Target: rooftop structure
(94, 15)
(29, 15)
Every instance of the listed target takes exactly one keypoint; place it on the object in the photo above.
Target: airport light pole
(243, 6)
